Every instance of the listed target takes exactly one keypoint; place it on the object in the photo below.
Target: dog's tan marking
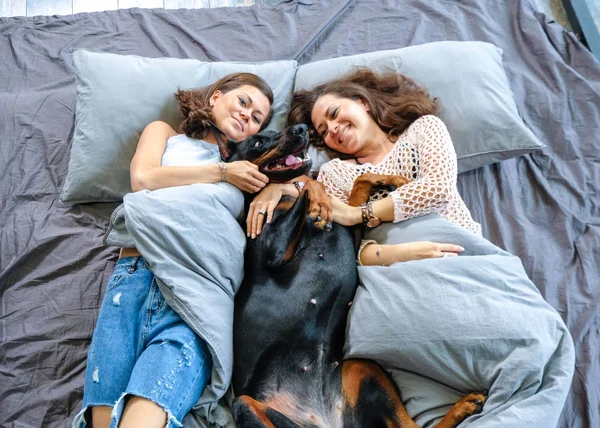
(285, 205)
(292, 410)
(464, 408)
(291, 249)
(267, 157)
(361, 190)
(258, 409)
(355, 371)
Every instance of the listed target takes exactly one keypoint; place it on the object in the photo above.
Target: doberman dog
(290, 320)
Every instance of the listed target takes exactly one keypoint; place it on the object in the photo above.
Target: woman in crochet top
(381, 124)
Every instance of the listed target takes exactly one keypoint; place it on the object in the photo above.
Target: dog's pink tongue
(290, 160)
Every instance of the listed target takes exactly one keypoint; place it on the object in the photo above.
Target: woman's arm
(373, 254)
(148, 173)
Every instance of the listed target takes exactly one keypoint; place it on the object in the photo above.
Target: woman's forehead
(319, 111)
(321, 105)
(259, 100)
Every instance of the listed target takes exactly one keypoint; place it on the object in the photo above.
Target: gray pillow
(476, 102)
(118, 95)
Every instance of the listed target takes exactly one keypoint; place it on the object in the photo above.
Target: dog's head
(278, 155)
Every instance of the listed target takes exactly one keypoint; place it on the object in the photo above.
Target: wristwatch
(369, 219)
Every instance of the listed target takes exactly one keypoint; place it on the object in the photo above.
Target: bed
(543, 206)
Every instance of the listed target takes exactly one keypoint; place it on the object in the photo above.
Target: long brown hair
(194, 105)
(394, 100)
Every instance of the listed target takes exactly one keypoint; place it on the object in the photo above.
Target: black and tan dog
(290, 318)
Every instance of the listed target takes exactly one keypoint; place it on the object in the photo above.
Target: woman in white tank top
(132, 380)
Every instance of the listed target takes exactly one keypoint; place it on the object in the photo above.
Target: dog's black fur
(290, 313)
(291, 310)
(269, 151)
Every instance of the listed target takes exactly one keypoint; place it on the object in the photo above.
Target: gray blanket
(446, 327)
(192, 241)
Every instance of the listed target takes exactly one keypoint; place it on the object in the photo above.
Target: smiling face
(240, 112)
(344, 124)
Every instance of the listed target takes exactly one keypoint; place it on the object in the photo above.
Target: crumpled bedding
(446, 327)
(542, 207)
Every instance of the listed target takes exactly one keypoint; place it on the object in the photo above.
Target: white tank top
(182, 150)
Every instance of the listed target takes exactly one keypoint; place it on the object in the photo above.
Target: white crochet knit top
(423, 153)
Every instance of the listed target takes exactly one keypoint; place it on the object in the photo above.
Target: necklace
(370, 151)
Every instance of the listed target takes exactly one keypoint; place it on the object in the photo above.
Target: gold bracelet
(378, 255)
(223, 170)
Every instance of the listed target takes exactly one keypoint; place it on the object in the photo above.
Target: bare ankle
(101, 416)
(142, 412)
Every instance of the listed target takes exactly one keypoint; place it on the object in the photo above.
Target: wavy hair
(394, 100)
(194, 105)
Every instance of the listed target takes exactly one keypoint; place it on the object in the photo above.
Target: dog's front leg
(319, 204)
(361, 190)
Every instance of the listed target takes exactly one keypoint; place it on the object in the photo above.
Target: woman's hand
(424, 250)
(345, 214)
(245, 176)
(265, 202)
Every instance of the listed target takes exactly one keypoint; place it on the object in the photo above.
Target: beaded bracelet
(223, 170)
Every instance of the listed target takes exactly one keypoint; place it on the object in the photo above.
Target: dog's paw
(476, 399)
(321, 223)
(470, 404)
(398, 181)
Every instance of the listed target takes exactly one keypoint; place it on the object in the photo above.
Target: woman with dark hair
(146, 366)
(380, 124)
(239, 105)
(439, 327)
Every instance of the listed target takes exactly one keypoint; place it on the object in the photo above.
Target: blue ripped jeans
(142, 347)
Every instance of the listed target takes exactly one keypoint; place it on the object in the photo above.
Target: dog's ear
(227, 148)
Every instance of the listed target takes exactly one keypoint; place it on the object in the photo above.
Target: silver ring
(445, 255)
(263, 212)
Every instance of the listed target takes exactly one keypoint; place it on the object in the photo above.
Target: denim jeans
(142, 347)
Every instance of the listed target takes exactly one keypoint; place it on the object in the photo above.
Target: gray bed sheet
(543, 207)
